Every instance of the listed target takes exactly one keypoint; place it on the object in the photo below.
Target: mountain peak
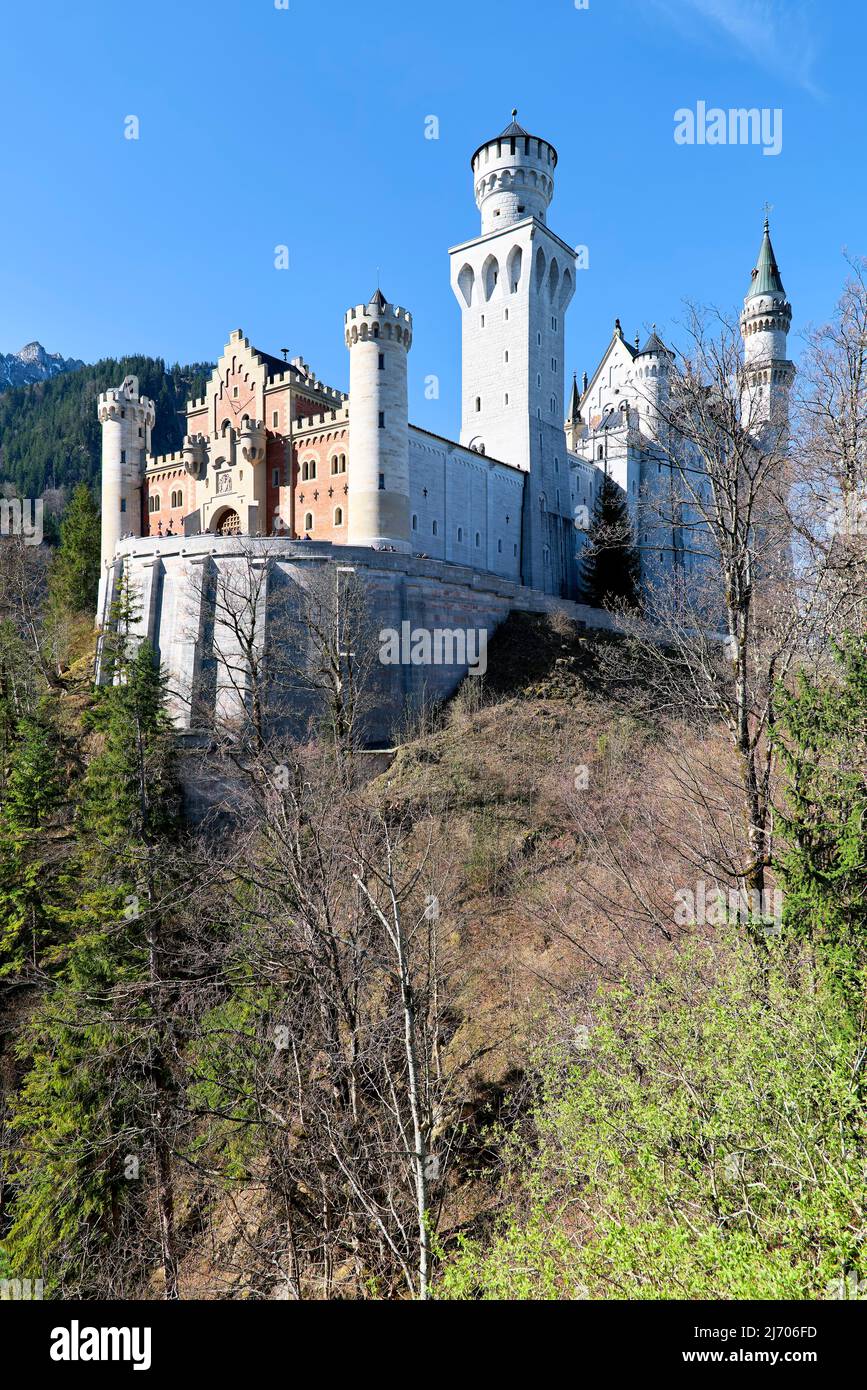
(31, 364)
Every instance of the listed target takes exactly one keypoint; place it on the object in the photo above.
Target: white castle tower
(765, 323)
(127, 420)
(379, 336)
(513, 284)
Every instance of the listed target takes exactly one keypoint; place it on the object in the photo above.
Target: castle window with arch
(382, 361)
(478, 540)
(460, 534)
(338, 516)
(308, 521)
(478, 403)
(414, 522)
(382, 419)
(434, 528)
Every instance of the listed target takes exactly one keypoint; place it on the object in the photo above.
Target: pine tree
(75, 570)
(821, 736)
(610, 567)
(94, 1119)
(32, 885)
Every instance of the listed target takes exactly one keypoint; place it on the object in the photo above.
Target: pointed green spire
(766, 276)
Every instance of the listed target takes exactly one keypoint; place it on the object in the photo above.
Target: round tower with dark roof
(765, 323)
(513, 177)
(379, 336)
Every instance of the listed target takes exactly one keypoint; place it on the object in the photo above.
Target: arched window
(308, 470)
(460, 533)
(478, 539)
(226, 425)
(338, 516)
(490, 276)
(433, 528)
(414, 522)
(308, 521)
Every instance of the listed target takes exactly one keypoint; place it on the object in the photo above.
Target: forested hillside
(49, 433)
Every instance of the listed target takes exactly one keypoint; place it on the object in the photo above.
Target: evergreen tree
(32, 886)
(822, 739)
(94, 1117)
(75, 570)
(610, 567)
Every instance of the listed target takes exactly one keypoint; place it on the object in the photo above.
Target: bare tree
(725, 621)
(831, 450)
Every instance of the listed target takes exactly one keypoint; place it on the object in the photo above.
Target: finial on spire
(514, 113)
(767, 209)
(618, 331)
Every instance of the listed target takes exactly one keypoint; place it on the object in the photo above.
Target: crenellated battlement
(117, 400)
(326, 417)
(378, 319)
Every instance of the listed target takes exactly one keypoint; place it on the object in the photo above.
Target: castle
(271, 452)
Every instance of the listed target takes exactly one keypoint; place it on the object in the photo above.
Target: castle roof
(513, 128)
(654, 344)
(378, 299)
(766, 277)
(574, 400)
(275, 366)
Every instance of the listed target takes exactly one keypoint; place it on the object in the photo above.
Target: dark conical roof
(378, 299)
(513, 128)
(654, 343)
(766, 277)
(574, 399)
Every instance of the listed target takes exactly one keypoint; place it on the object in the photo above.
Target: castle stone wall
(182, 586)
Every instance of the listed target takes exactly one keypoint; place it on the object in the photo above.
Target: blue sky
(262, 126)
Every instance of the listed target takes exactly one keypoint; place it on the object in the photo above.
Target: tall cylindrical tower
(379, 336)
(127, 420)
(765, 323)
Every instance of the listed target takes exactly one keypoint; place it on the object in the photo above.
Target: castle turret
(651, 371)
(514, 177)
(765, 323)
(513, 283)
(379, 336)
(573, 424)
(127, 420)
